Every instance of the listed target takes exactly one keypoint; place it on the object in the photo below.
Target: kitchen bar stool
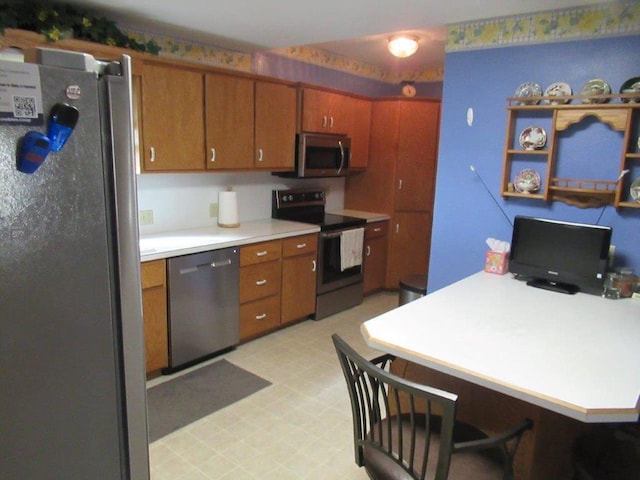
(412, 287)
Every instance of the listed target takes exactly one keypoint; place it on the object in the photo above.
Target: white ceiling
(357, 29)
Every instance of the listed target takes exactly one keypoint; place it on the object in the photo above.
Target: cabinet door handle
(331, 122)
(400, 184)
(301, 245)
(261, 317)
(261, 253)
(213, 155)
(313, 265)
(368, 250)
(397, 227)
(324, 121)
(153, 155)
(377, 229)
(261, 282)
(260, 155)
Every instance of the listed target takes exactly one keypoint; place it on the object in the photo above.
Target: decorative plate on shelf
(533, 138)
(597, 86)
(528, 89)
(527, 181)
(631, 86)
(558, 89)
(634, 190)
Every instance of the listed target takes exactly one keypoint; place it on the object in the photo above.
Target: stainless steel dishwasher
(203, 305)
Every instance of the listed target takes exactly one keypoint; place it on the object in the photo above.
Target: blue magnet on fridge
(62, 121)
(33, 150)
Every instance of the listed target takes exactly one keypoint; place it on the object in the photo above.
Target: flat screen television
(560, 256)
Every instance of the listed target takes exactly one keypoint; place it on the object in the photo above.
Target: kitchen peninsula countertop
(194, 240)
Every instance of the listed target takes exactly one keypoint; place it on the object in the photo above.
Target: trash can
(412, 287)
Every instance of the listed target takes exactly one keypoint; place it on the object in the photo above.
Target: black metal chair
(407, 431)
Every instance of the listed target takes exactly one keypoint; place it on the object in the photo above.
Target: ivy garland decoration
(57, 21)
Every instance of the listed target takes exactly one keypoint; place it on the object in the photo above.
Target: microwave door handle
(341, 157)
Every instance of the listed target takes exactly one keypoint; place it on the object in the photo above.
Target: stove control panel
(298, 198)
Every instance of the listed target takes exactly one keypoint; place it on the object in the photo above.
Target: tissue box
(497, 262)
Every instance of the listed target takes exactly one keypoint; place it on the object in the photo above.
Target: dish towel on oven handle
(351, 242)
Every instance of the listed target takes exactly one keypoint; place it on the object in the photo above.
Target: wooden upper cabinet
(275, 125)
(172, 118)
(194, 119)
(416, 160)
(359, 132)
(229, 113)
(330, 112)
(325, 112)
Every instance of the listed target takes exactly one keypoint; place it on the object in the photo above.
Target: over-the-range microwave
(320, 155)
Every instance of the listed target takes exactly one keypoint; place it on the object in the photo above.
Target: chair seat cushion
(464, 465)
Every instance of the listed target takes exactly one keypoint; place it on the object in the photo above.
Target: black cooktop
(307, 206)
(329, 221)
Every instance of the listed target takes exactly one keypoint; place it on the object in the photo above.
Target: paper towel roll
(228, 209)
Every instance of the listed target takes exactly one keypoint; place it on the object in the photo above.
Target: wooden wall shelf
(620, 111)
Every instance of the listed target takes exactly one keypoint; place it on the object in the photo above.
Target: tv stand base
(553, 286)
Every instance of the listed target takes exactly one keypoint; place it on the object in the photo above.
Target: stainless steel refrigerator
(72, 376)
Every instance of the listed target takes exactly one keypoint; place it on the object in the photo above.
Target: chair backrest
(396, 432)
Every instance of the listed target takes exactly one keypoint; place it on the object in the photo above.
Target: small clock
(409, 90)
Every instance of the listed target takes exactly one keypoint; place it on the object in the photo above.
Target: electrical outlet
(213, 209)
(146, 217)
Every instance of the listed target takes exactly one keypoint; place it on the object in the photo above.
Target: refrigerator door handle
(119, 104)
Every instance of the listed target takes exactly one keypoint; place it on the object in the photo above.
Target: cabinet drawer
(259, 317)
(258, 281)
(300, 245)
(376, 229)
(260, 252)
(153, 274)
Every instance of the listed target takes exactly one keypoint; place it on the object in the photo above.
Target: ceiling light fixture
(403, 46)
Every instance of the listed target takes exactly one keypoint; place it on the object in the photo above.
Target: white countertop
(577, 355)
(368, 216)
(195, 240)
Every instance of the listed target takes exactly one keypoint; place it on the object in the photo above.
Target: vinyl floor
(298, 428)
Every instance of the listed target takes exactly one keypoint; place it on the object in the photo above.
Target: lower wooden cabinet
(259, 317)
(375, 256)
(409, 250)
(260, 280)
(154, 308)
(277, 284)
(298, 277)
(277, 287)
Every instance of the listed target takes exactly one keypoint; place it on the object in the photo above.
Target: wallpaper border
(580, 23)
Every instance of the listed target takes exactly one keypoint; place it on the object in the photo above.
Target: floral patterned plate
(558, 89)
(597, 86)
(528, 89)
(527, 181)
(533, 138)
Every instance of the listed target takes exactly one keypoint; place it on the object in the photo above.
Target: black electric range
(339, 284)
(307, 206)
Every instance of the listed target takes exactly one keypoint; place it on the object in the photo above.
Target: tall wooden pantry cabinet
(400, 180)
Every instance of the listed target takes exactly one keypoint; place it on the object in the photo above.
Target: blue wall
(465, 214)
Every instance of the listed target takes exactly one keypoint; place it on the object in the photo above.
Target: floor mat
(178, 402)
